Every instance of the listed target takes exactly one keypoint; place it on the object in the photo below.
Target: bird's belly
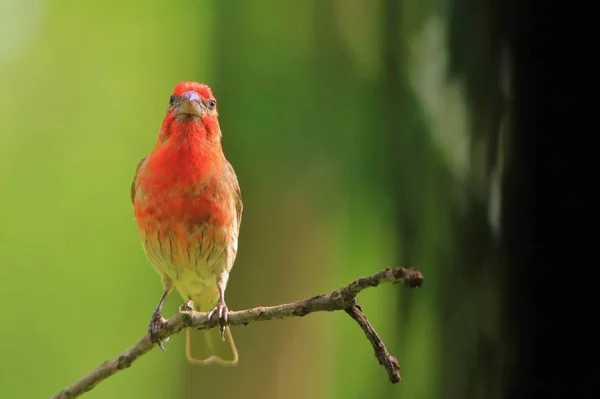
(191, 259)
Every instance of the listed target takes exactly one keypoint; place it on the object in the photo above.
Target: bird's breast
(185, 227)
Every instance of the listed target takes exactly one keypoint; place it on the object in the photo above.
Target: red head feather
(203, 90)
(207, 127)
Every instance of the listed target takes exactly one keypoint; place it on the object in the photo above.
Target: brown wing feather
(239, 206)
(137, 169)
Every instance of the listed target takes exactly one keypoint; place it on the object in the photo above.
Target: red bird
(188, 207)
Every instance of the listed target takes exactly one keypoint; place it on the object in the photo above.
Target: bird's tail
(207, 346)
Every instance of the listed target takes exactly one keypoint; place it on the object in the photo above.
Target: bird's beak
(191, 104)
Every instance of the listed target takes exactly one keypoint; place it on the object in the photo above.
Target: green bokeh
(343, 173)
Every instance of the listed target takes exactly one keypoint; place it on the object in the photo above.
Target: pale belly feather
(191, 262)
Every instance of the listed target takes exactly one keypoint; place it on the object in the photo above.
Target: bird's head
(192, 111)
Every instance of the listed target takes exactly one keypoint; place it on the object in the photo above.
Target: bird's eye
(212, 103)
(172, 100)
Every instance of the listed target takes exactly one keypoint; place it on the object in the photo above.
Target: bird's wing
(133, 183)
(237, 193)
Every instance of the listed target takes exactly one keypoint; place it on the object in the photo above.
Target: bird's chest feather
(185, 219)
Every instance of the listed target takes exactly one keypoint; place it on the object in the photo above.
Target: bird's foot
(155, 325)
(221, 313)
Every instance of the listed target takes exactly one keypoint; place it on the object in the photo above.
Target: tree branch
(342, 299)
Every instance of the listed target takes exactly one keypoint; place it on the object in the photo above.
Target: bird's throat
(186, 159)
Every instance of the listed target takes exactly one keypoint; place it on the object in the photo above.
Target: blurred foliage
(364, 134)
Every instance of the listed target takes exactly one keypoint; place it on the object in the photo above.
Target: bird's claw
(155, 325)
(221, 311)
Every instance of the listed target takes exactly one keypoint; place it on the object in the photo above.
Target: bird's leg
(221, 309)
(158, 320)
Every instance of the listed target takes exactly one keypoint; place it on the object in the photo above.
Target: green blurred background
(365, 134)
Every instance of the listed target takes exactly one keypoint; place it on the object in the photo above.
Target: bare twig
(342, 299)
(385, 359)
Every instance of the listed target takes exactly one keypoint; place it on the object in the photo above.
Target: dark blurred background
(365, 134)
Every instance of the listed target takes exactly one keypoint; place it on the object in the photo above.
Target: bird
(188, 209)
